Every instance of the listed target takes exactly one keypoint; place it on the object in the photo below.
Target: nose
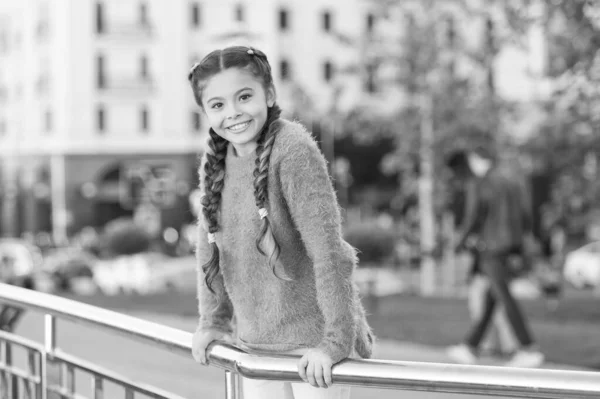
(233, 112)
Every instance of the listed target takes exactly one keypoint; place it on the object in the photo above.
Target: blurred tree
(429, 67)
(419, 59)
(568, 142)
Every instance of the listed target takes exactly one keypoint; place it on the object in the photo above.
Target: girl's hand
(201, 340)
(315, 368)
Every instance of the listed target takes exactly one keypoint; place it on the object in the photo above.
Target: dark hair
(457, 160)
(484, 152)
(254, 61)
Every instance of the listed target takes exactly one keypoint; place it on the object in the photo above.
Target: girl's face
(236, 103)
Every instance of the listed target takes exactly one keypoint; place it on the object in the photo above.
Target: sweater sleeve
(312, 203)
(215, 310)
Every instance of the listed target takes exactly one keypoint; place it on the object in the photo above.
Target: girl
(270, 248)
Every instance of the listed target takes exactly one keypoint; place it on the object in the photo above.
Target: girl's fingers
(327, 375)
(310, 374)
(302, 368)
(319, 375)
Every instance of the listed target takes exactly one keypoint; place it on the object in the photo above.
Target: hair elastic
(250, 51)
(211, 238)
(263, 213)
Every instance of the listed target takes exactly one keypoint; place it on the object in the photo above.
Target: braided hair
(254, 61)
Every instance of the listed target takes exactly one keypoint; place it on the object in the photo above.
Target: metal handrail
(399, 375)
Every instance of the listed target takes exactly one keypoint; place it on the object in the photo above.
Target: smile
(238, 127)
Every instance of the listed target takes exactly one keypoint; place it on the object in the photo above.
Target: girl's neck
(244, 150)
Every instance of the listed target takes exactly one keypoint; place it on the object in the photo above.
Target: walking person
(500, 339)
(270, 248)
(498, 215)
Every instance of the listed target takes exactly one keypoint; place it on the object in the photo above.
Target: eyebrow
(236, 93)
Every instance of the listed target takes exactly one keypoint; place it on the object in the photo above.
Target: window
(490, 44)
(283, 19)
(326, 19)
(3, 42)
(48, 121)
(490, 34)
(196, 121)
(370, 84)
(327, 71)
(144, 67)
(101, 78)
(451, 31)
(284, 68)
(370, 22)
(143, 14)
(195, 15)
(101, 119)
(99, 17)
(18, 39)
(145, 119)
(42, 27)
(239, 13)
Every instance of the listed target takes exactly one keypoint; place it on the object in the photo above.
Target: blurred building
(95, 110)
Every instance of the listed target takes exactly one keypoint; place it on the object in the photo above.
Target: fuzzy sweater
(319, 307)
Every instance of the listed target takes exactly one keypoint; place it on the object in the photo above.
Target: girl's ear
(271, 96)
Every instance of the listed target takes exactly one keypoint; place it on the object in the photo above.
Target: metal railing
(413, 376)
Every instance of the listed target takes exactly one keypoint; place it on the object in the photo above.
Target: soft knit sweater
(319, 307)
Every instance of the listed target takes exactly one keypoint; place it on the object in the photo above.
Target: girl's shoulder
(292, 140)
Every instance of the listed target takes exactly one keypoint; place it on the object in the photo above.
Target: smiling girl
(270, 248)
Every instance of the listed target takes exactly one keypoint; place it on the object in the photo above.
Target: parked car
(582, 266)
(145, 273)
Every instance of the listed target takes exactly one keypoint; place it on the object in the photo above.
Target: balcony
(123, 85)
(122, 31)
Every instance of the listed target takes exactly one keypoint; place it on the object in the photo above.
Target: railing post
(231, 385)
(12, 381)
(49, 347)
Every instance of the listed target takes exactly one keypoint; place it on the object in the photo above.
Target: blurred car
(71, 269)
(582, 266)
(145, 273)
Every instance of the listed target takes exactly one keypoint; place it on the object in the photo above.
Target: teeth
(239, 126)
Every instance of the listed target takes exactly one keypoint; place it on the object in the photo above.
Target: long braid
(214, 180)
(266, 242)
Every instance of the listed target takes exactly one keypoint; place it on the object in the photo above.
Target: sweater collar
(234, 161)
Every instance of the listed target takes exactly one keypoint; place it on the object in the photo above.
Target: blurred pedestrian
(500, 339)
(270, 248)
(498, 216)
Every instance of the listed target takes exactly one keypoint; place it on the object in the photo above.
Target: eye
(216, 105)
(245, 97)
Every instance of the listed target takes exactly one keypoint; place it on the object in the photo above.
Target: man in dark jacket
(498, 218)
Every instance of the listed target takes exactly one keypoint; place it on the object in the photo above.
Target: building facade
(94, 96)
